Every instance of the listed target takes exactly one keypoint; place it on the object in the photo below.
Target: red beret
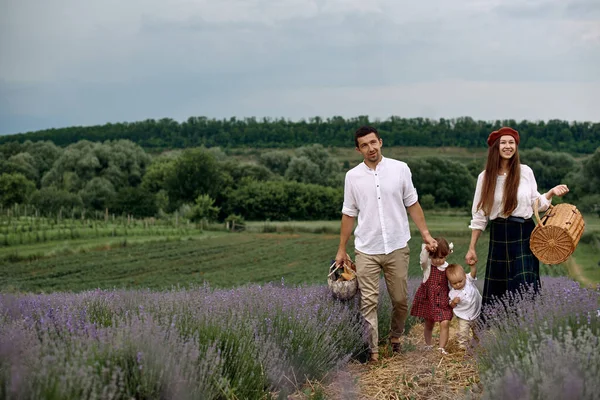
(505, 130)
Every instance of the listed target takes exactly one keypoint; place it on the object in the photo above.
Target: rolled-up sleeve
(424, 257)
(349, 207)
(410, 193)
(535, 195)
(479, 220)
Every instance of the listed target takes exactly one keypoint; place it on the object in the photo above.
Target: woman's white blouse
(526, 196)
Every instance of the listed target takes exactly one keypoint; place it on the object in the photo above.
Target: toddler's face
(438, 261)
(458, 282)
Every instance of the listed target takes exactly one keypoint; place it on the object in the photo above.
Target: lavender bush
(543, 345)
(384, 309)
(247, 342)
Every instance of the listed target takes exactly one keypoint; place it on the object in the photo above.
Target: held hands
(471, 257)
(430, 243)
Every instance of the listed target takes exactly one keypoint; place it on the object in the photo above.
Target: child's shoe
(442, 350)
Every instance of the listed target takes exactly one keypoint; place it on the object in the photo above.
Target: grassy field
(231, 259)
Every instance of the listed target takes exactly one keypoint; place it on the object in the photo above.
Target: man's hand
(430, 243)
(340, 257)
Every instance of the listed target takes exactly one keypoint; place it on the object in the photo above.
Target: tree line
(203, 183)
(573, 137)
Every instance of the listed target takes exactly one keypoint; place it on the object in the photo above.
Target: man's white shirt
(379, 198)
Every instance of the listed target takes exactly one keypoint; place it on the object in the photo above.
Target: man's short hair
(364, 131)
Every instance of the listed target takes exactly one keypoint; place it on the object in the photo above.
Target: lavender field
(265, 341)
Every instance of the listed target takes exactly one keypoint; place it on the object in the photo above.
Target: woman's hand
(559, 190)
(471, 257)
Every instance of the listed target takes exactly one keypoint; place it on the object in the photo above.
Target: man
(380, 191)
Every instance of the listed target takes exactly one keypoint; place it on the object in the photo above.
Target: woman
(505, 195)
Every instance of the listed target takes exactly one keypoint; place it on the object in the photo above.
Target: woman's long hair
(511, 184)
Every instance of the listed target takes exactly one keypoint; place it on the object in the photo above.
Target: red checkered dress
(431, 299)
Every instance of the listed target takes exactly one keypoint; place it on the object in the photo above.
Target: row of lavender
(252, 341)
(199, 343)
(544, 345)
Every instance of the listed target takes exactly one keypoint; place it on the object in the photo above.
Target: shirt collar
(378, 167)
(443, 266)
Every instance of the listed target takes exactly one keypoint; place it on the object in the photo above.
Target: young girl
(431, 299)
(465, 299)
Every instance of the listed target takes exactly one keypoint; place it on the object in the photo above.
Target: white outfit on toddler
(468, 310)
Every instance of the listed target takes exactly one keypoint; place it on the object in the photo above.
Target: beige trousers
(465, 327)
(395, 271)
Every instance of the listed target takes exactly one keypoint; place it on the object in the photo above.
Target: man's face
(370, 147)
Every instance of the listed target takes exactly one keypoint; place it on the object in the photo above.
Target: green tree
(550, 168)
(14, 189)
(21, 163)
(303, 170)
(157, 173)
(284, 200)
(44, 154)
(449, 182)
(50, 201)
(205, 209)
(136, 201)
(277, 161)
(194, 173)
(98, 193)
(120, 162)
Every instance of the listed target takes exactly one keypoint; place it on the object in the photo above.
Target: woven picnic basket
(342, 281)
(557, 233)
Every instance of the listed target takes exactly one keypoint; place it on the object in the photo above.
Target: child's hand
(455, 302)
(473, 271)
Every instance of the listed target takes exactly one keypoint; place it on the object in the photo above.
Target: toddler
(465, 300)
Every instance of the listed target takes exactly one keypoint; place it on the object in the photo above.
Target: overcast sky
(87, 62)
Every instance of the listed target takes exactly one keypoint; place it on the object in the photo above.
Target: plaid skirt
(510, 262)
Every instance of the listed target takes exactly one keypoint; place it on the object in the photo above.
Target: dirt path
(413, 374)
(576, 272)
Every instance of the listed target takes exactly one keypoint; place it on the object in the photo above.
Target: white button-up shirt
(379, 198)
(469, 307)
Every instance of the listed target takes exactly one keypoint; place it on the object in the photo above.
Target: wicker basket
(557, 233)
(342, 281)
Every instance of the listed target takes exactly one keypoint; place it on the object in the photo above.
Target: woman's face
(507, 147)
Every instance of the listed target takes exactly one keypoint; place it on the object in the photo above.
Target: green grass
(31, 252)
(230, 259)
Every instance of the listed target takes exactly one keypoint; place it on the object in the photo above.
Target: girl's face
(437, 261)
(508, 147)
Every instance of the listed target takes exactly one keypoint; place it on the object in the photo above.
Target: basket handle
(334, 269)
(535, 209)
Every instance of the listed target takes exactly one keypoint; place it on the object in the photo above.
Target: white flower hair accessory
(451, 246)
